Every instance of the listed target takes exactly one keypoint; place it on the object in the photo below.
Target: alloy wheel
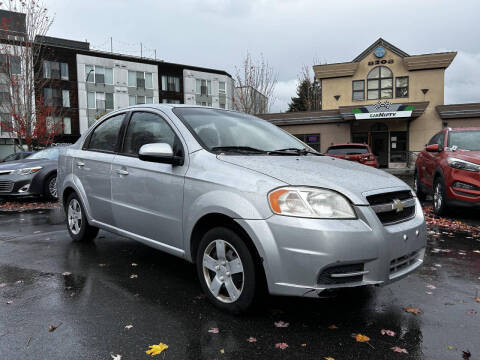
(74, 216)
(438, 196)
(52, 187)
(223, 271)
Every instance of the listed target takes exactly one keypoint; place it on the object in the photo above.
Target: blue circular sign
(380, 52)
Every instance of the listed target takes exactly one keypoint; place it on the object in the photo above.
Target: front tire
(226, 270)
(50, 188)
(439, 197)
(77, 224)
(417, 187)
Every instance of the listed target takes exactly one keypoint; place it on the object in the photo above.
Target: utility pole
(111, 45)
(141, 50)
(155, 54)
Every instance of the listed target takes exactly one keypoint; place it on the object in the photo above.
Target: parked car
(17, 156)
(449, 168)
(354, 152)
(245, 201)
(35, 175)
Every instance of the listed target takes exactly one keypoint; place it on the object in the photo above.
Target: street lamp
(86, 79)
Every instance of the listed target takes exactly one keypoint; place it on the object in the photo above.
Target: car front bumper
(18, 185)
(463, 196)
(303, 257)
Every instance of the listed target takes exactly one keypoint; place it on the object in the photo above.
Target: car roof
(351, 144)
(465, 129)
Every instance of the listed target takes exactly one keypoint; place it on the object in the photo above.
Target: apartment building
(208, 88)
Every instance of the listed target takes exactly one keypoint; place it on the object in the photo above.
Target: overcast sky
(289, 33)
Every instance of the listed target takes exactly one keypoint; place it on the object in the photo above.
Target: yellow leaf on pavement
(329, 358)
(361, 338)
(222, 351)
(156, 349)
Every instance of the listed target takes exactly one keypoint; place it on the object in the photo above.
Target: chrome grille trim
(6, 186)
(390, 206)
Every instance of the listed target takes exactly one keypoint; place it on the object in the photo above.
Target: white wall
(190, 86)
(120, 82)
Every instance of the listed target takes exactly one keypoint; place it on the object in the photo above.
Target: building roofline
(380, 42)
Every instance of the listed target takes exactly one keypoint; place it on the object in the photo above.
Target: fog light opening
(24, 188)
(462, 185)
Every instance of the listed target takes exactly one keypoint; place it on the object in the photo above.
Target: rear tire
(440, 205)
(77, 224)
(417, 187)
(226, 270)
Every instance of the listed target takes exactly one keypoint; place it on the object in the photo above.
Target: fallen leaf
(361, 338)
(10, 302)
(116, 357)
(281, 346)
(251, 339)
(53, 327)
(213, 331)
(156, 349)
(128, 327)
(133, 276)
(133, 264)
(73, 294)
(101, 265)
(222, 351)
(387, 332)
(399, 350)
(466, 354)
(66, 273)
(431, 287)
(303, 345)
(3, 285)
(281, 324)
(329, 358)
(429, 292)
(333, 327)
(413, 310)
(450, 347)
(19, 282)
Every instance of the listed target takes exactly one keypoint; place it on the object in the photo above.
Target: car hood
(349, 178)
(472, 156)
(19, 164)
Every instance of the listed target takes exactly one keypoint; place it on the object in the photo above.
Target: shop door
(379, 146)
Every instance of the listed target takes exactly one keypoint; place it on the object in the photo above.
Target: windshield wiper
(295, 151)
(246, 149)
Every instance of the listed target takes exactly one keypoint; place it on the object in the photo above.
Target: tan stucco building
(384, 97)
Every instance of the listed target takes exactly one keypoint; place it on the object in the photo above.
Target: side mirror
(433, 148)
(160, 153)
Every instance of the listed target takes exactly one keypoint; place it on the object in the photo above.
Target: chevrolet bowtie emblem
(397, 205)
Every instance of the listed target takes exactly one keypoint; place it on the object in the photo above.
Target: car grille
(393, 207)
(342, 274)
(6, 186)
(402, 262)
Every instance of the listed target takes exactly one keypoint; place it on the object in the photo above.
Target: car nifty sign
(384, 110)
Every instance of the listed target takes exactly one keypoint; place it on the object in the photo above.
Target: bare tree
(20, 70)
(255, 83)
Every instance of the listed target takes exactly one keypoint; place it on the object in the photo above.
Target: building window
(358, 88)
(5, 94)
(132, 100)
(171, 101)
(100, 100)
(91, 100)
(55, 70)
(140, 100)
(132, 78)
(398, 146)
(140, 79)
(221, 87)
(204, 87)
(109, 101)
(99, 74)
(5, 122)
(380, 83)
(66, 98)
(222, 106)
(170, 83)
(53, 97)
(312, 140)
(10, 64)
(401, 87)
(67, 126)
(149, 100)
(148, 81)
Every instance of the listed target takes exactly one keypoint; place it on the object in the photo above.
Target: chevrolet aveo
(252, 206)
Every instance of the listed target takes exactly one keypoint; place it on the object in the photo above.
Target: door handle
(80, 164)
(122, 172)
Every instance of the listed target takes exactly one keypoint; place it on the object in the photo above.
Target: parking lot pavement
(101, 309)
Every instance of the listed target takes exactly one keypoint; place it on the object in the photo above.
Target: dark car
(449, 168)
(34, 176)
(18, 156)
(353, 152)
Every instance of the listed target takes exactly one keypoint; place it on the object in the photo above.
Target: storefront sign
(385, 110)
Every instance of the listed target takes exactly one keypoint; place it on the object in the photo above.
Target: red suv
(353, 152)
(449, 167)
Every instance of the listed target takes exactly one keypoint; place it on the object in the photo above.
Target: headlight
(28, 171)
(462, 164)
(310, 203)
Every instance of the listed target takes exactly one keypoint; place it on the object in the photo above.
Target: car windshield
(50, 154)
(347, 150)
(465, 140)
(220, 131)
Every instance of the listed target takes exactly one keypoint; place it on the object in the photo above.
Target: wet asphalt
(88, 291)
